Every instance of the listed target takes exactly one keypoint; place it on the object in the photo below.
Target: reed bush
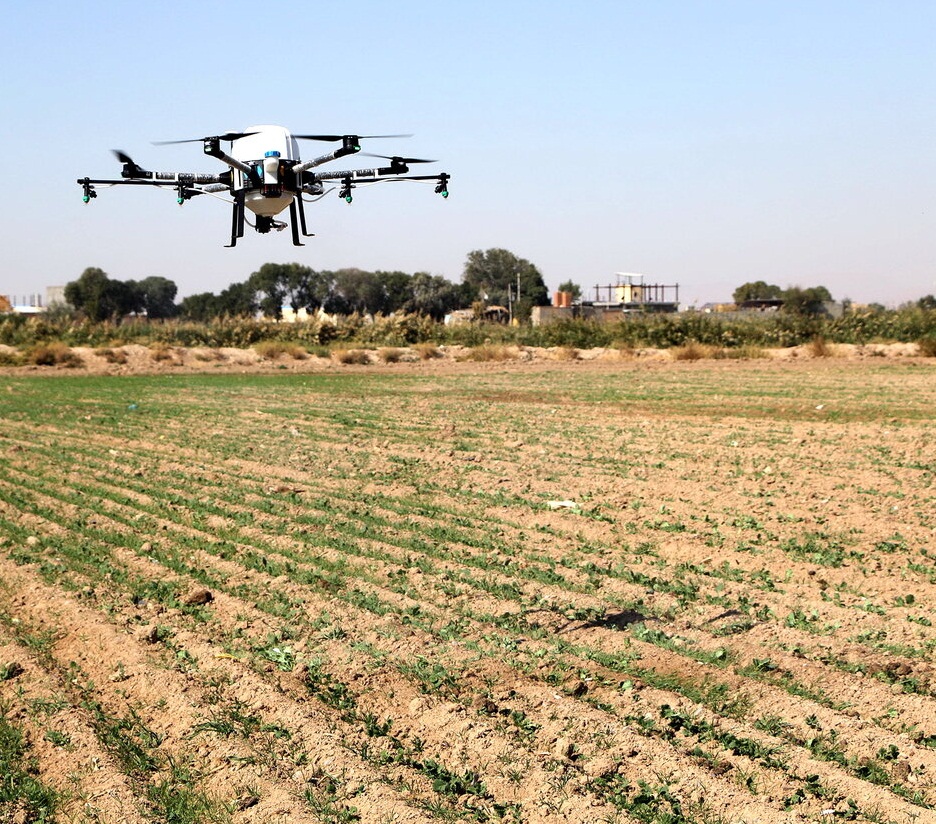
(634, 331)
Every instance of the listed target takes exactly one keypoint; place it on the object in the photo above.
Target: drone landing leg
(302, 222)
(237, 219)
(294, 223)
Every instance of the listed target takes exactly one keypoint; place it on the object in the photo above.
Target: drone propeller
(130, 169)
(229, 136)
(398, 161)
(334, 138)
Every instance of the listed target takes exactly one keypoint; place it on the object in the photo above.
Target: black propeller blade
(333, 138)
(130, 168)
(398, 161)
(228, 136)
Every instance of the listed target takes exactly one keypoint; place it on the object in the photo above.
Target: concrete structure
(32, 304)
(629, 295)
(633, 294)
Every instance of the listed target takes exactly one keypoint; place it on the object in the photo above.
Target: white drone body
(274, 145)
(266, 175)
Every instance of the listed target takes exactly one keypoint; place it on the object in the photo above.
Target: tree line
(493, 276)
(796, 299)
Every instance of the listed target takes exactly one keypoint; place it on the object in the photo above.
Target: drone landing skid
(237, 219)
(294, 222)
(299, 206)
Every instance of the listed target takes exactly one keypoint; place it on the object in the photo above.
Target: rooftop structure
(633, 294)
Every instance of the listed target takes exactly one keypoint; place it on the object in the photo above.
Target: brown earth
(539, 590)
(157, 359)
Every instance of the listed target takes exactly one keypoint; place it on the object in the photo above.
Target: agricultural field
(613, 591)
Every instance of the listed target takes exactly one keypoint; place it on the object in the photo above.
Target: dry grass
(566, 353)
(691, 351)
(739, 353)
(623, 351)
(10, 357)
(53, 354)
(209, 355)
(390, 354)
(488, 352)
(427, 351)
(112, 355)
(273, 349)
(358, 357)
(819, 347)
(927, 347)
(162, 352)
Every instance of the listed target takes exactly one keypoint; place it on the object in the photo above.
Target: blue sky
(700, 143)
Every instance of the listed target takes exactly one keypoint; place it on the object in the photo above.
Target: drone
(266, 176)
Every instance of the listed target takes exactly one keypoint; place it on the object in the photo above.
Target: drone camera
(442, 188)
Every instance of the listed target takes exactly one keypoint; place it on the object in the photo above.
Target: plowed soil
(533, 591)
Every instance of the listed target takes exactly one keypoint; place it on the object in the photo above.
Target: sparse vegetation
(351, 356)
(464, 593)
(819, 347)
(692, 350)
(778, 330)
(390, 354)
(112, 355)
(927, 346)
(273, 349)
(52, 354)
(487, 352)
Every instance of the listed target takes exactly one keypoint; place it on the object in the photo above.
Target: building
(630, 294)
(33, 304)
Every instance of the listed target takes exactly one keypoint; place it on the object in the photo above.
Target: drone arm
(159, 179)
(325, 158)
(186, 185)
(184, 177)
(382, 175)
(350, 144)
(213, 149)
(358, 174)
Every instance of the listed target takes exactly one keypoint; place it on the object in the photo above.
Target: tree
(201, 307)
(279, 284)
(156, 296)
(397, 289)
(493, 275)
(573, 288)
(756, 290)
(359, 291)
(799, 301)
(238, 300)
(99, 298)
(432, 295)
(927, 302)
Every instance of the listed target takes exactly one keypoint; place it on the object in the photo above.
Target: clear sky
(700, 142)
